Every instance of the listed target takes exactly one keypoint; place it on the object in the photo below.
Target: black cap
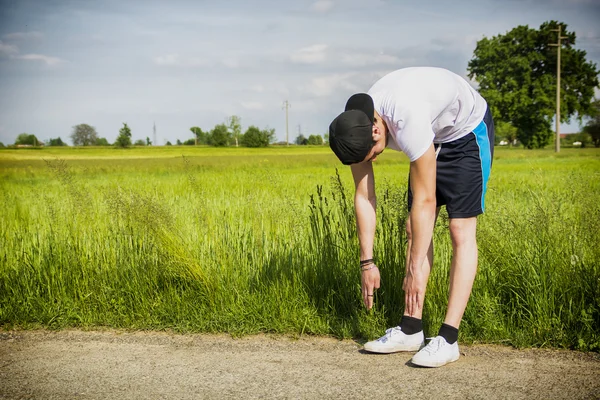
(351, 132)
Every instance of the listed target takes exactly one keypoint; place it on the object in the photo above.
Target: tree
(506, 131)
(84, 135)
(301, 140)
(189, 142)
(201, 136)
(124, 138)
(102, 142)
(139, 142)
(315, 139)
(56, 142)
(2, 145)
(178, 142)
(148, 142)
(235, 127)
(254, 137)
(593, 125)
(516, 73)
(220, 136)
(168, 143)
(27, 140)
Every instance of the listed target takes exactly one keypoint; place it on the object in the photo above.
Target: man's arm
(365, 205)
(422, 221)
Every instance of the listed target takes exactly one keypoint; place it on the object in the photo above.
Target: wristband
(363, 269)
(366, 262)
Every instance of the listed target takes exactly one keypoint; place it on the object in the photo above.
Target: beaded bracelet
(363, 269)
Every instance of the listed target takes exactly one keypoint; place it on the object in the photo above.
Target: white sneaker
(395, 340)
(437, 353)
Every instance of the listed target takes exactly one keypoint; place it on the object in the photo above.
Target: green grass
(245, 241)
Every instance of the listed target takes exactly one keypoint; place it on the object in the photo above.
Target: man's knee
(463, 231)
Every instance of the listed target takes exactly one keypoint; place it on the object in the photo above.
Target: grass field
(245, 241)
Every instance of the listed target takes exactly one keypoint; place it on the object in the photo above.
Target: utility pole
(558, 46)
(154, 134)
(286, 105)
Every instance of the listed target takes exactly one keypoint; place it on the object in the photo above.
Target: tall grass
(265, 241)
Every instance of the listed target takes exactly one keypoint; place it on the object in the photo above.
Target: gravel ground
(154, 365)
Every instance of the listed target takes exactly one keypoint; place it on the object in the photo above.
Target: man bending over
(445, 128)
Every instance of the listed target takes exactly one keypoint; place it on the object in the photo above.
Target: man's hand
(369, 283)
(414, 290)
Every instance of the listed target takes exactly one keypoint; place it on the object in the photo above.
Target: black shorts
(463, 170)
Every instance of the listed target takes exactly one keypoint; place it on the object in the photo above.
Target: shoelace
(390, 332)
(434, 345)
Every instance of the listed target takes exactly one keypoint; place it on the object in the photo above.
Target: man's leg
(443, 349)
(463, 267)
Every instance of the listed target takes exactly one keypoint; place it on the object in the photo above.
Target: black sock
(449, 333)
(410, 325)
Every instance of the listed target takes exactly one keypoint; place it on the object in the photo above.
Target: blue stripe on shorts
(483, 141)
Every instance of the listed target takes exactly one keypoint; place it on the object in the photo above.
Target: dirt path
(116, 365)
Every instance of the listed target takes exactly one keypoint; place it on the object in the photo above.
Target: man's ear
(377, 134)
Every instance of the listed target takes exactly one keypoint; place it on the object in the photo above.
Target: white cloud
(231, 62)
(39, 57)
(23, 35)
(325, 85)
(11, 51)
(169, 59)
(8, 49)
(310, 55)
(252, 105)
(322, 6)
(366, 59)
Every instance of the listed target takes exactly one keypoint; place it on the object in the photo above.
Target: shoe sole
(393, 350)
(435, 364)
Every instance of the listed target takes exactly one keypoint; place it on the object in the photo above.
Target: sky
(179, 64)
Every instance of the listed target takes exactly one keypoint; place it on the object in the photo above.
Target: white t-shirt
(424, 105)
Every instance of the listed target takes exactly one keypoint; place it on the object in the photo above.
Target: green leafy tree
(220, 136)
(315, 140)
(124, 138)
(254, 137)
(2, 145)
(189, 142)
(102, 142)
(168, 143)
(593, 125)
(269, 133)
(178, 142)
(301, 140)
(506, 131)
(56, 142)
(201, 136)
(516, 73)
(234, 124)
(139, 142)
(148, 142)
(27, 140)
(326, 136)
(84, 135)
